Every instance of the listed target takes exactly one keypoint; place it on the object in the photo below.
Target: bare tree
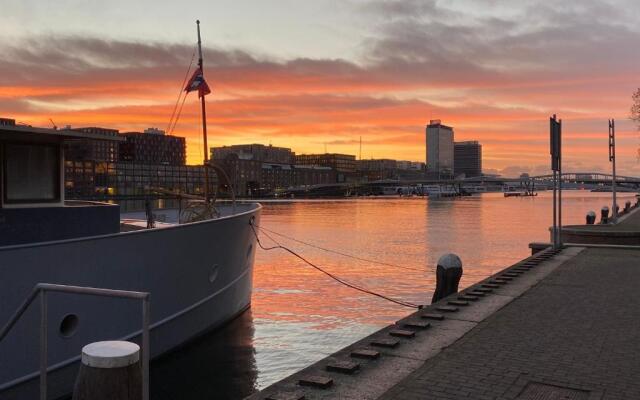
(635, 107)
(635, 112)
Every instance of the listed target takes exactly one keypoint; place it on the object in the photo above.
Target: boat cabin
(32, 204)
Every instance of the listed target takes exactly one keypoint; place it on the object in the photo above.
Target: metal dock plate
(345, 367)
(436, 316)
(391, 343)
(417, 324)
(402, 333)
(321, 382)
(365, 353)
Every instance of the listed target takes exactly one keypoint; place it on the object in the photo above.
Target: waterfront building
(410, 165)
(7, 122)
(342, 163)
(439, 159)
(153, 146)
(94, 180)
(259, 152)
(377, 169)
(467, 158)
(243, 171)
(92, 149)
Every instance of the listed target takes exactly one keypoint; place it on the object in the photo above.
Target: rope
(339, 252)
(179, 112)
(330, 275)
(184, 81)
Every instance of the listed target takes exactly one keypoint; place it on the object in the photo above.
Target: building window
(32, 173)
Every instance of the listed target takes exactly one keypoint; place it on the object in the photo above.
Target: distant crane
(55, 127)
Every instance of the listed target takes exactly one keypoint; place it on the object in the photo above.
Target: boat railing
(41, 289)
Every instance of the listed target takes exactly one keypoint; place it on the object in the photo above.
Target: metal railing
(42, 289)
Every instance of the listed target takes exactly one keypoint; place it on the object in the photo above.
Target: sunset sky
(305, 74)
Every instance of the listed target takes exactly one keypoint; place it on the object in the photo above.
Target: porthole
(69, 325)
(213, 274)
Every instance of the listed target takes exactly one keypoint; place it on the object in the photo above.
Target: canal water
(300, 315)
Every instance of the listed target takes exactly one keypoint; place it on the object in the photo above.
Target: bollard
(627, 206)
(109, 370)
(448, 274)
(591, 217)
(604, 215)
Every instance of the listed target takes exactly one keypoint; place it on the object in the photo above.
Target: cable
(337, 252)
(184, 81)
(179, 112)
(330, 275)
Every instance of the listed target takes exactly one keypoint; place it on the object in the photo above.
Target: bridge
(587, 180)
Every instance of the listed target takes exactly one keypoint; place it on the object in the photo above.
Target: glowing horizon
(494, 73)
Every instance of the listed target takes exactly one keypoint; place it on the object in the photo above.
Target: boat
(198, 271)
(435, 191)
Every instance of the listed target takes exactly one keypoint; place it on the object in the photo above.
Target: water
(299, 315)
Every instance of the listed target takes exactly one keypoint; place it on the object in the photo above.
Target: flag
(198, 83)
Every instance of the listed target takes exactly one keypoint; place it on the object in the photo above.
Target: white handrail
(43, 288)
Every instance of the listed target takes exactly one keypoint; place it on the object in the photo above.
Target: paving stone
(365, 353)
(321, 382)
(573, 335)
(344, 367)
(436, 316)
(286, 396)
(402, 333)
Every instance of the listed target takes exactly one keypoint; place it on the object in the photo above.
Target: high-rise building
(467, 158)
(439, 149)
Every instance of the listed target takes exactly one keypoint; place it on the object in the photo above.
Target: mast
(204, 123)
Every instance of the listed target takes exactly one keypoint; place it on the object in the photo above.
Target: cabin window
(31, 173)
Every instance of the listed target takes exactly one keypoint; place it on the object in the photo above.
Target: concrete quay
(557, 325)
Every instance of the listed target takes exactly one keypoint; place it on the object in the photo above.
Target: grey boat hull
(199, 276)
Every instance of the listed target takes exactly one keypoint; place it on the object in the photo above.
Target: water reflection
(219, 365)
(299, 316)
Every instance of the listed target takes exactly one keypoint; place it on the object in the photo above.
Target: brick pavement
(575, 335)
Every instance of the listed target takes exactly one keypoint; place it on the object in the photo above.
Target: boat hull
(199, 276)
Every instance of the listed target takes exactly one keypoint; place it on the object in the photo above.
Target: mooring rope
(338, 252)
(329, 274)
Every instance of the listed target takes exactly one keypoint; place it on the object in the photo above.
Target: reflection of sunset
(488, 232)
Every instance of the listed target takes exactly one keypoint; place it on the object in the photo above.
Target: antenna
(360, 154)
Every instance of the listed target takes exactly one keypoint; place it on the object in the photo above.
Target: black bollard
(591, 217)
(604, 215)
(109, 371)
(448, 274)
